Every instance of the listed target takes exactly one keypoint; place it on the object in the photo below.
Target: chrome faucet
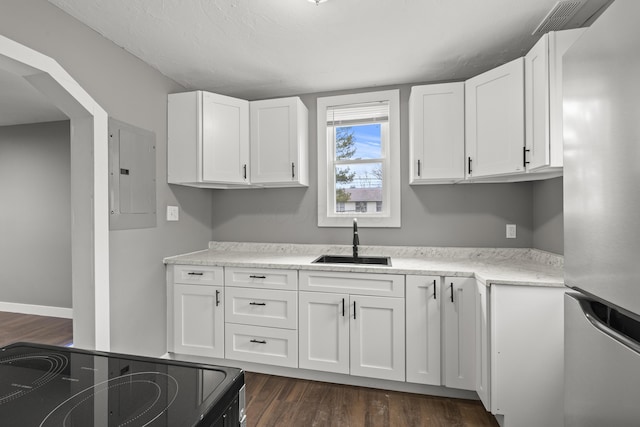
(356, 240)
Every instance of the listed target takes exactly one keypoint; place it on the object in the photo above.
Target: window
(359, 160)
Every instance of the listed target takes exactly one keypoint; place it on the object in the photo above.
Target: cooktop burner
(48, 386)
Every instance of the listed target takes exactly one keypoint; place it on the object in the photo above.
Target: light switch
(511, 231)
(173, 213)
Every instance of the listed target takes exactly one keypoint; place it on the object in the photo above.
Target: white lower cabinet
(526, 338)
(198, 320)
(423, 295)
(483, 345)
(377, 337)
(459, 340)
(324, 331)
(441, 331)
(350, 333)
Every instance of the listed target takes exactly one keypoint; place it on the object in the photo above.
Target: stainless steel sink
(347, 259)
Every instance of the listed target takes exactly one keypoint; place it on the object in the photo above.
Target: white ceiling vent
(559, 16)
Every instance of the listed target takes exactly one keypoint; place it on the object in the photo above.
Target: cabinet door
(324, 332)
(494, 104)
(377, 337)
(527, 354)
(459, 307)
(436, 115)
(423, 329)
(225, 139)
(483, 374)
(198, 320)
(536, 71)
(279, 142)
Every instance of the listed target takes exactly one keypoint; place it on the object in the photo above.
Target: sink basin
(347, 259)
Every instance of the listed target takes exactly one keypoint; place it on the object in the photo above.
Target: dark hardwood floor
(286, 402)
(283, 402)
(36, 329)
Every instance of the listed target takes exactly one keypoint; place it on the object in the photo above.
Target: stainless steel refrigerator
(601, 107)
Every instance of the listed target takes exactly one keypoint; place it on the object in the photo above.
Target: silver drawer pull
(257, 277)
(258, 341)
(257, 303)
(192, 273)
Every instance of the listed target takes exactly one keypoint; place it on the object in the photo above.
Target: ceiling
(256, 49)
(21, 103)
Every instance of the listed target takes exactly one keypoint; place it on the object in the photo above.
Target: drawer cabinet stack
(261, 316)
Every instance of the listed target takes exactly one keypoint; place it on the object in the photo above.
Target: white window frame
(390, 215)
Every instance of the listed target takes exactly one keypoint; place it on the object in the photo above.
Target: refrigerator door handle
(606, 329)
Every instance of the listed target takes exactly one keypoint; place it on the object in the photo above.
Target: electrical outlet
(173, 213)
(511, 231)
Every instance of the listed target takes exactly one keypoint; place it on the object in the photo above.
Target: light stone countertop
(515, 266)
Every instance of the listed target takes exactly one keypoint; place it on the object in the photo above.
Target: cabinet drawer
(199, 275)
(261, 345)
(353, 283)
(263, 307)
(262, 278)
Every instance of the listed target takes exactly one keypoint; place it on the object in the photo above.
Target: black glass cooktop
(45, 386)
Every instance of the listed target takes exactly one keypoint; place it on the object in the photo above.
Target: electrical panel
(132, 177)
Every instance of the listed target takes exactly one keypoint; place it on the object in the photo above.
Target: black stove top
(45, 386)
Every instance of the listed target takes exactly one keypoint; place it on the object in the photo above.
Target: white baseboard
(39, 310)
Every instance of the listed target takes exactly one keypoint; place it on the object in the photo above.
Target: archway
(89, 188)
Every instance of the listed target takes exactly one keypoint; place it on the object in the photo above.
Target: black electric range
(46, 386)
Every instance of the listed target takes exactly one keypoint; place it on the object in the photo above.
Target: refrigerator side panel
(601, 106)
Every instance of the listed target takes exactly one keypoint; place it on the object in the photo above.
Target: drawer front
(259, 344)
(262, 278)
(198, 275)
(391, 285)
(261, 307)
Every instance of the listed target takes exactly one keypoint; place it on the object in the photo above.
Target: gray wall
(133, 92)
(35, 221)
(432, 215)
(548, 222)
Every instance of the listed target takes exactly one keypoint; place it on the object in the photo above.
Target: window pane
(358, 142)
(359, 187)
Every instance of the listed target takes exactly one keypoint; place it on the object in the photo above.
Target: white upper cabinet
(208, 140)
(543, 100)
(436, 125)
(279, 139)
(494, 107)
